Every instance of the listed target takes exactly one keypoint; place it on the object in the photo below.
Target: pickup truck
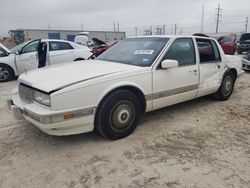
(135, 76)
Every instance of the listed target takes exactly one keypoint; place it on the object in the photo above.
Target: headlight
(42, 98)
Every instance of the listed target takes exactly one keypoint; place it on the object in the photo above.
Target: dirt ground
(200, 143)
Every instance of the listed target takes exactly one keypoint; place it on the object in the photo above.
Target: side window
(216, 51)
(208, 50)
(31, 47)
(55, 46)
(183, 51)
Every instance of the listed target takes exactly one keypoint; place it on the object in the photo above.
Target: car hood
(4, 48)
(52, 78)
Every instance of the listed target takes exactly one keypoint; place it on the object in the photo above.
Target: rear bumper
(33, 115)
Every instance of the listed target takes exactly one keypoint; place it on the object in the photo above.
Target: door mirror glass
(169, 63)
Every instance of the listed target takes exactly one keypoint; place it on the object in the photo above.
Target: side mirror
(17, 52)
(169, 63)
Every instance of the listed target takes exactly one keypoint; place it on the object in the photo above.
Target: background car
(99, 46)
(227, 42)
(246, 61)
(244, 44)
(39, 53)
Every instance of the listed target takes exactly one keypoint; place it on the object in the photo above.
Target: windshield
(18, 47)
(135, 51)
(245, 36)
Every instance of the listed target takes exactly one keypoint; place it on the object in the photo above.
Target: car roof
(54, 40)
(170, 36)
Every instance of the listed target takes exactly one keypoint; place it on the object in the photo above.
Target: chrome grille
(26, 93)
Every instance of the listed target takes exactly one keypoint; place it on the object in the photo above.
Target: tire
(226, 88)
(239, 52)
(118, 114)
(6, 73)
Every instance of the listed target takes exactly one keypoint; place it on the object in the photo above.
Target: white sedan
(136, 75)
(39, 53)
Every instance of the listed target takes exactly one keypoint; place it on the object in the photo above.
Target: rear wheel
(226, 88)
(118, 115)
(6, 73)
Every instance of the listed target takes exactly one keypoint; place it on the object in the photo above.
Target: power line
(218, 14)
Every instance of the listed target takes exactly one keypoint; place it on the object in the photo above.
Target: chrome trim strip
(171, 92)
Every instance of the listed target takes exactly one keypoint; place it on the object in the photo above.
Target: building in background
(106, 36)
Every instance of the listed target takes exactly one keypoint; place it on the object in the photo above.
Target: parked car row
(137, 75)
(37, 54)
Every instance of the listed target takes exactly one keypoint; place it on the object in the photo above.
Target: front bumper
(243, 49)
(245, 64)
(33, 112)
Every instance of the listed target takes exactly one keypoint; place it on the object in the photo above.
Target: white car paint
(20, 63)
(93, 80)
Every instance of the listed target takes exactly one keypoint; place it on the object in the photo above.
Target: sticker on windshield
(144, 52)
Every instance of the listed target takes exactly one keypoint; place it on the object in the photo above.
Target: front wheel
(226, 88)
(6, 73)
(118, 115)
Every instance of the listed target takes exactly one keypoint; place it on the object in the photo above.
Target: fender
(117, 85)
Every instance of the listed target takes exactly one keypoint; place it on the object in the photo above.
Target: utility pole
(164, 29)
(150, 30)
(175, 29)
(181, 31)
(202, 19)
(246, 25)
(114, 26)
(118, 26)
(136, 30)
(218, 15)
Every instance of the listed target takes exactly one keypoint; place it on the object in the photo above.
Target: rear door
(27, 58)
(60, 52)
(210, 66)
(174, 85)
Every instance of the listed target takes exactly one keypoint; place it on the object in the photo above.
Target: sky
(101, 14)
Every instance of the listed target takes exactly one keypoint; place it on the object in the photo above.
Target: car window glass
(208, 51)
(182, 50)
(227, 39)
(216, 51)
(55, 46)
(135, 51)
(31, 47)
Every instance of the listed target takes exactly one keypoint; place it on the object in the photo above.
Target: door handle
(218, 66)
(195, 71)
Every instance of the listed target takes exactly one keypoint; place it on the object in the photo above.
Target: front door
(27, 58)
(174, 85)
